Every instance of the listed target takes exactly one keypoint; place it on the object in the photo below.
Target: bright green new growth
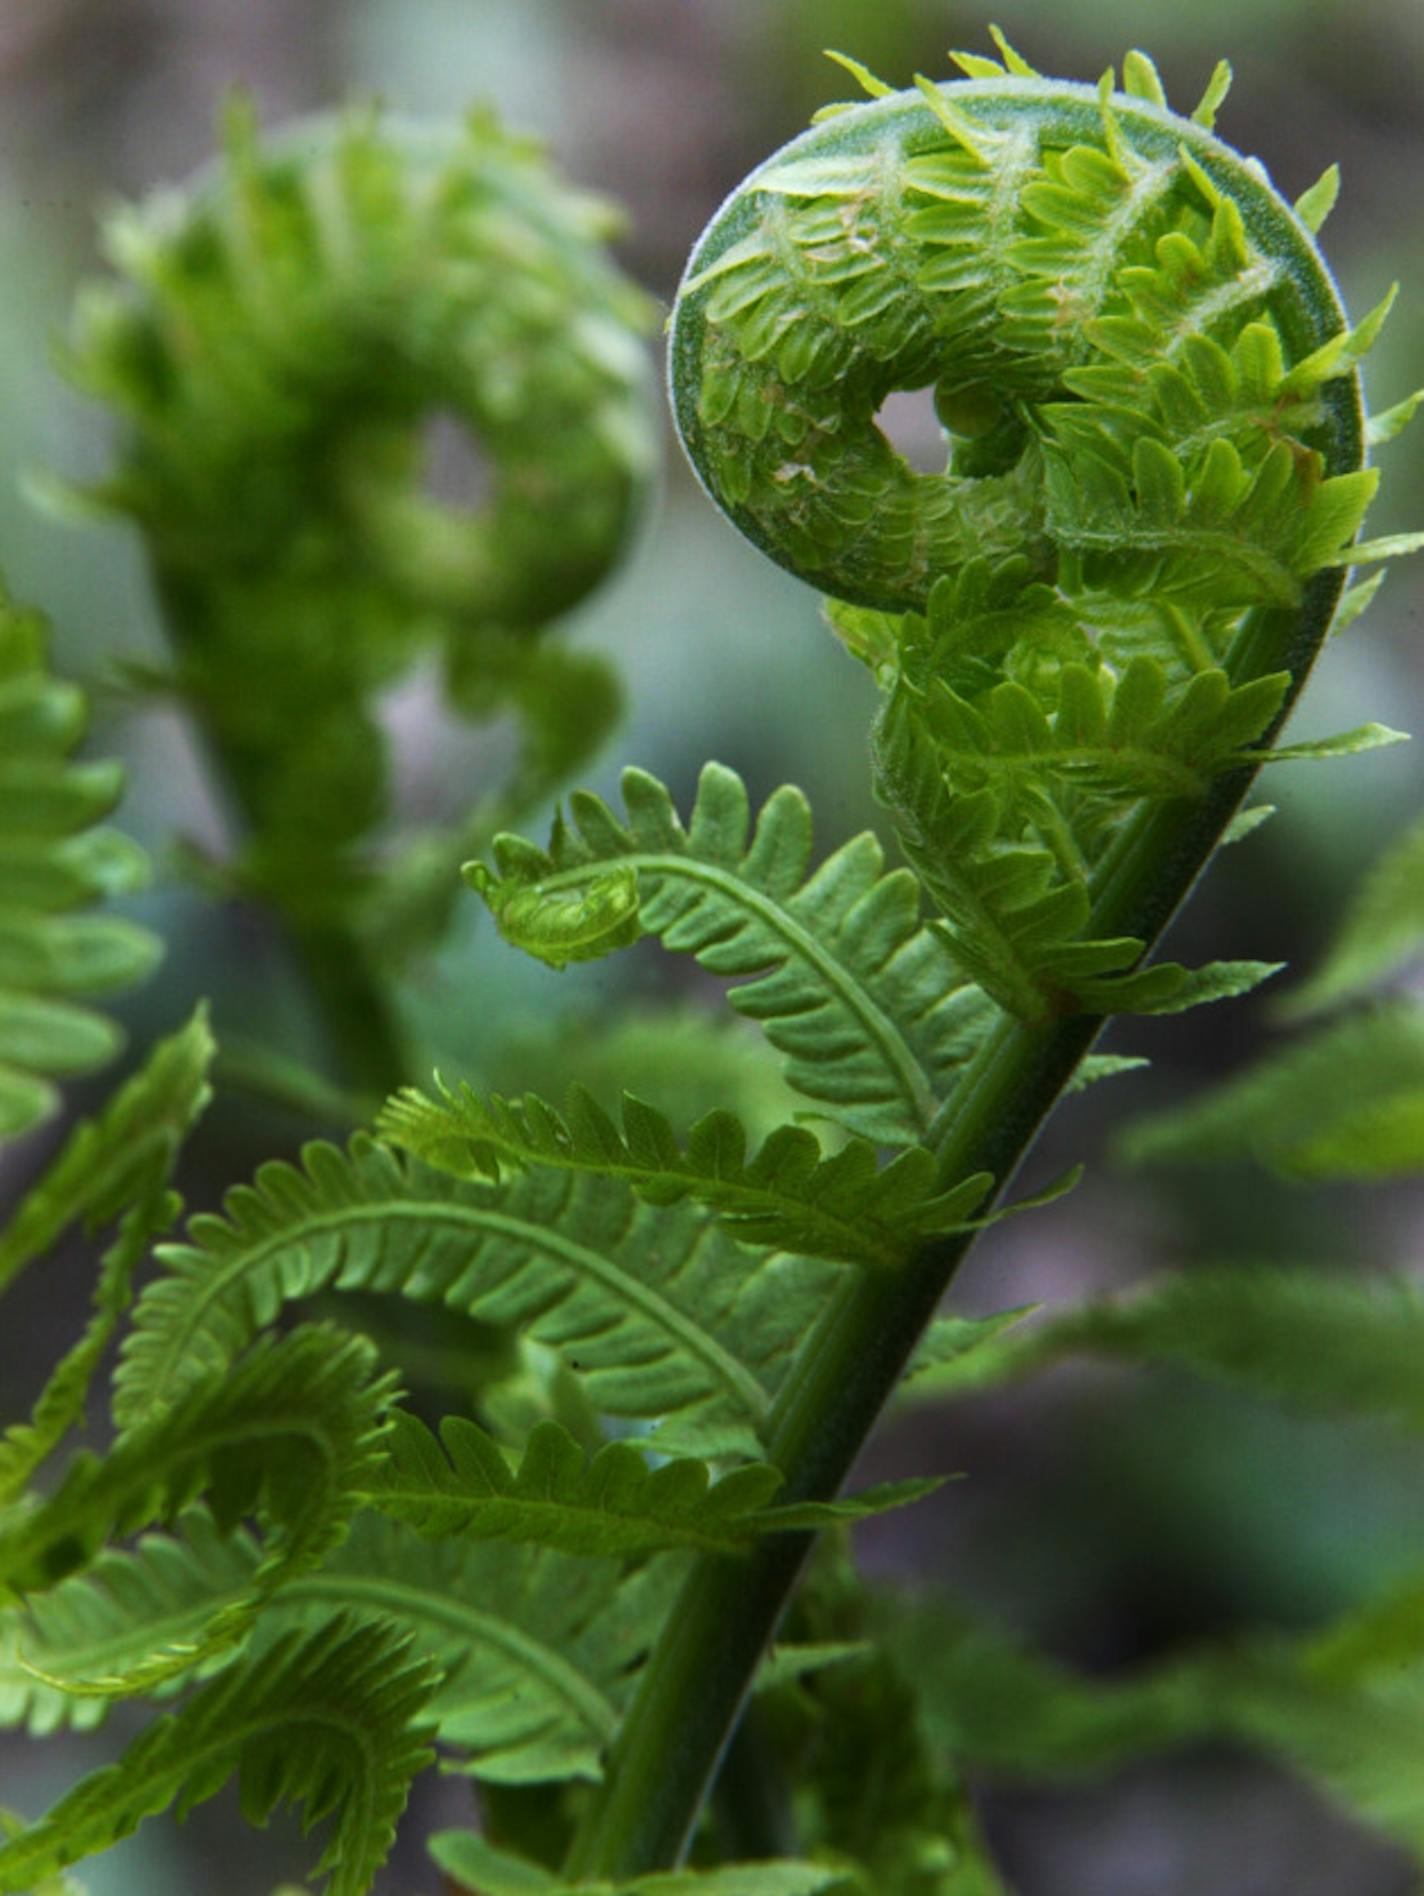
(1087, 631)
(1148, 391)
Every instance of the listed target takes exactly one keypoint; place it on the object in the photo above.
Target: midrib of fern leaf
(327, 1721)
(54, 864)
(661, 1312)
(846, 1208)
(861, 998)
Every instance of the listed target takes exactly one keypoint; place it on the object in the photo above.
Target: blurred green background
(1108, 1516)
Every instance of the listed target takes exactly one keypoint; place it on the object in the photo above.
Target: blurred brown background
(1106, 1515)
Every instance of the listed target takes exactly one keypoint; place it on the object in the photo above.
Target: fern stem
(696, 1681)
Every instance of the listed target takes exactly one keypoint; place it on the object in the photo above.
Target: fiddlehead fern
(1087, 627)
(1154, 438)
(286, 334)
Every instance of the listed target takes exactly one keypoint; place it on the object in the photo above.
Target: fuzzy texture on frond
(662, 1313)
(1314, 1339)
(847, 1208)
(327, 1723)
(608, 1505)
(1345, 1101)
(1153, 439)
(291, 1433)
(864, 1001)
(56, 864)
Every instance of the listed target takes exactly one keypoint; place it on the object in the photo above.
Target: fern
(1316, 1340)
(475, 1865)
(292, 1431)
(55, 864)
(664, 1316)
(844, 1208)
(122, 1160)
(1346, 1102)
(327, 1722)
(1381, 931)
(862, 1000)
(610, 1505)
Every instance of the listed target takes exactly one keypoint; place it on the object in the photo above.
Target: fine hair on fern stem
(1087, 631)
(285, 332)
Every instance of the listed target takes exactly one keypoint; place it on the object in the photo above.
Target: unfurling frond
(290, 1433)
(863, 1000)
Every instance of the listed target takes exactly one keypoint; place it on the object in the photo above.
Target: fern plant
(600, 1592)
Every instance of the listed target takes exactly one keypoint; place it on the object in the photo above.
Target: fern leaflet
(845, 1208)
(865, 1002)
(661, 1313)
(610, 1505)
(54, 864)
(327, 1721)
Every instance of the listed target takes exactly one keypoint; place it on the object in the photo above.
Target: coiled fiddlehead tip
(1136, 351)
(286, 329)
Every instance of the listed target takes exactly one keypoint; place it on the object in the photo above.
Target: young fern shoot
(1086, 632)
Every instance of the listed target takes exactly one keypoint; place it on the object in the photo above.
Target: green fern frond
(1011, 918)
(120, 1161)
(328, 1722)
(55, 864)
(1318, 1341)
(861, 998)
(662, 1314)
(291, 1432)
(535, 1650)
(473, 1864)
(1345, 1102)
(846, 1208)
(608, 1505)
(110, 1160)
(1382, 930)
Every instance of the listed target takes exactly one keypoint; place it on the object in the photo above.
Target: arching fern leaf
(661, 1313)
(327, 1722)
(846, 1207)
(54, 865)
(291, 1432)
(864, 1001)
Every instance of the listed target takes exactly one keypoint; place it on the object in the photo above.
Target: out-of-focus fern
(56, 863)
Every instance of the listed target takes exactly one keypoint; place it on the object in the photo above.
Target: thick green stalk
(696, 1681)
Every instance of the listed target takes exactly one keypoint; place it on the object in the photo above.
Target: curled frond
(864, 1001)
